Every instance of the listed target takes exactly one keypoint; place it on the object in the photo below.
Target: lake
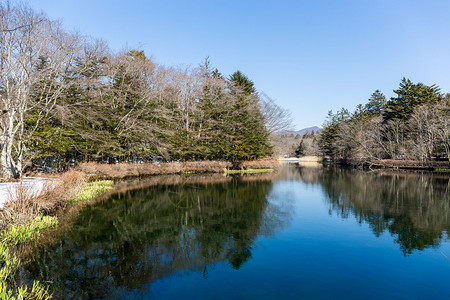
(300, 233)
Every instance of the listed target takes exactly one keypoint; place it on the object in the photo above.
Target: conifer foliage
(409, 96)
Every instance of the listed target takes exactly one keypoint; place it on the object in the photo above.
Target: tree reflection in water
(123, 245)
(414, 208)
(144, 235)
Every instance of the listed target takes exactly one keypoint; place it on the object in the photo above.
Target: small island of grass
(250, 171)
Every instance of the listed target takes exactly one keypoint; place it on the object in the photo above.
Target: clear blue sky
(311, 56)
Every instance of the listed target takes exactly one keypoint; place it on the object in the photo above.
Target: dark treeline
(65, 98)
(413, 125)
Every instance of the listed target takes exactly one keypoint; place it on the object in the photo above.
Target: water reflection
(415, 208)
(175, 225)
(144, 235)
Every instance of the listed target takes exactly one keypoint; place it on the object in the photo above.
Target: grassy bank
(26, 216)
(92, 190)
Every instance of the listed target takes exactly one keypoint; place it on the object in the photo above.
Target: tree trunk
(9, 167)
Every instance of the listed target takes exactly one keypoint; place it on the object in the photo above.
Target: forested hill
(65, 97)
(414, 125)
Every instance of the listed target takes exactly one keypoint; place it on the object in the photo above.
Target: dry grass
(260, 164)
(20, 202)
(57, 192)
(124, 170)
(25, 203)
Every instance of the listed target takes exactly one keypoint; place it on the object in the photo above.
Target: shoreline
(441, 167)
(433, 166)
(95, 171)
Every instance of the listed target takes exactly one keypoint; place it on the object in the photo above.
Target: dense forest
(413, 125)
(66, 98)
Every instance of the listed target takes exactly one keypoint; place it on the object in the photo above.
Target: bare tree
(276, 118)
(33, 51)
(309, 146)
(430, 124)
(424, 129)
(284, 145)
(361, 141)
(441, 124)
(394, 134)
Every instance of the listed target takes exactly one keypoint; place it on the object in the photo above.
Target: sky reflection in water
(309, 233)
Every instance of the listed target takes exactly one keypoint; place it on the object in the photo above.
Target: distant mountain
(314, 129)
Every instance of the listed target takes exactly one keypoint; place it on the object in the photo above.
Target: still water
(301, 233)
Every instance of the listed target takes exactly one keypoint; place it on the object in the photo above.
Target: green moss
(443, 170)
(92, 190)
(248, 171)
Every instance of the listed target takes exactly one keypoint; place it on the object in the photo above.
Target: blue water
(300, 234)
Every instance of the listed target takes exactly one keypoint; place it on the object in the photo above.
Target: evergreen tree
(250, 137)
(330, 131)
(241, 81)
(300, 150)
(360, 113)
(409, 96)
(376, 105)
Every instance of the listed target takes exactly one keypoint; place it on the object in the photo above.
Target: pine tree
(241, 81)
(376, 105)
(409, 96)
(330, 131)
